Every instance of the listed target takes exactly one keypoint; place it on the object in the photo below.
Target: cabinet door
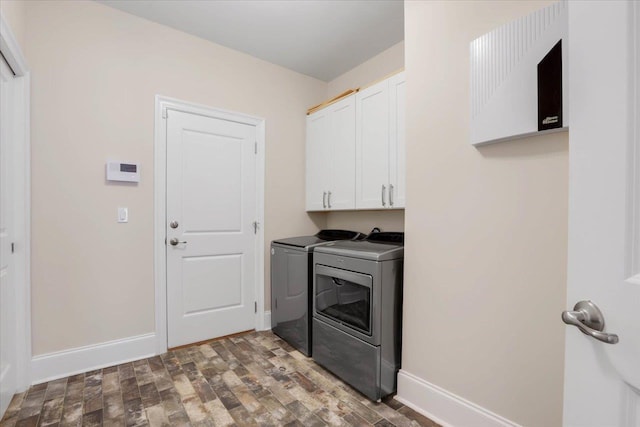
(318, 159)
(372, 147)
(397, 158)
(343, 154)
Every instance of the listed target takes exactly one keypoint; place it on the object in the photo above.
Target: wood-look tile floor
(255, 379)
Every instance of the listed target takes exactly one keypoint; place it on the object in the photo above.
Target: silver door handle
(382, 195)
(587, 317)
(324, 199)
(175, 241)
(329, 199)
(390, 194)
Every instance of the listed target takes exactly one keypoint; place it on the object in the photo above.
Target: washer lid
(302, 242)
(363, 249)
(321, 238)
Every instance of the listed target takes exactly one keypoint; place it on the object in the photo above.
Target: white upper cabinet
(372, 146)
(356, 150)
(318, 157)
(342, 135)
(331, 157)
(397, 156)
(380, 145)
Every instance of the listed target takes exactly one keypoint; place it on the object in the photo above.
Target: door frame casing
(164, 104)
(21, 185)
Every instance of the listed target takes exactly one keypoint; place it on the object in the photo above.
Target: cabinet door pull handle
(324, 199)
(382, 195)
(329, 199)
(390, 194)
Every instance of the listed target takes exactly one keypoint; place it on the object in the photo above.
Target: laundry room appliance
(357, 311)
(291, 284)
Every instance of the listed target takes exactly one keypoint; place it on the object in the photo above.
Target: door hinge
(255, 307)
(13, 247)
(255, 147)
(255, 227)
(165, 113)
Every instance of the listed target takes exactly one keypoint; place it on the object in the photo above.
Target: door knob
(175, 241)
(173, 224)
(587, 317)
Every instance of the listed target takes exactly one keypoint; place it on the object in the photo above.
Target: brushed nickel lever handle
(587, 317)
(175, 241)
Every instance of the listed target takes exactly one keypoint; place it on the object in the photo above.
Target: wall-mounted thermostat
(121, 171)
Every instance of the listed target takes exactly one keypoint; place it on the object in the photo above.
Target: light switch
(123, 215)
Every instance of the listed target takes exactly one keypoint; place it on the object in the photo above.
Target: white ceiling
(319, 38)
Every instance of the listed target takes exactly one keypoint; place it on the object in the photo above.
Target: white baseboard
(266, 321)
(61, 364)
(444, 407)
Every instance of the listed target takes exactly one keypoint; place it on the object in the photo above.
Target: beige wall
(485, 258)
(364, 221)
(95, 72)
(14, 13)
(387, 62)
(381, 65)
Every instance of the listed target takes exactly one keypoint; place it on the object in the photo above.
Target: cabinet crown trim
(349, 92)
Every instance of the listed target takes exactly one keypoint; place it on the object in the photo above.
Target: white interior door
(8, 315)
(211, 202)
(602, 381)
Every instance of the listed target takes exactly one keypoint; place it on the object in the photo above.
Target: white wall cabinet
(380, 145)
(330, 157)
(356, 150)
(397, 145)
